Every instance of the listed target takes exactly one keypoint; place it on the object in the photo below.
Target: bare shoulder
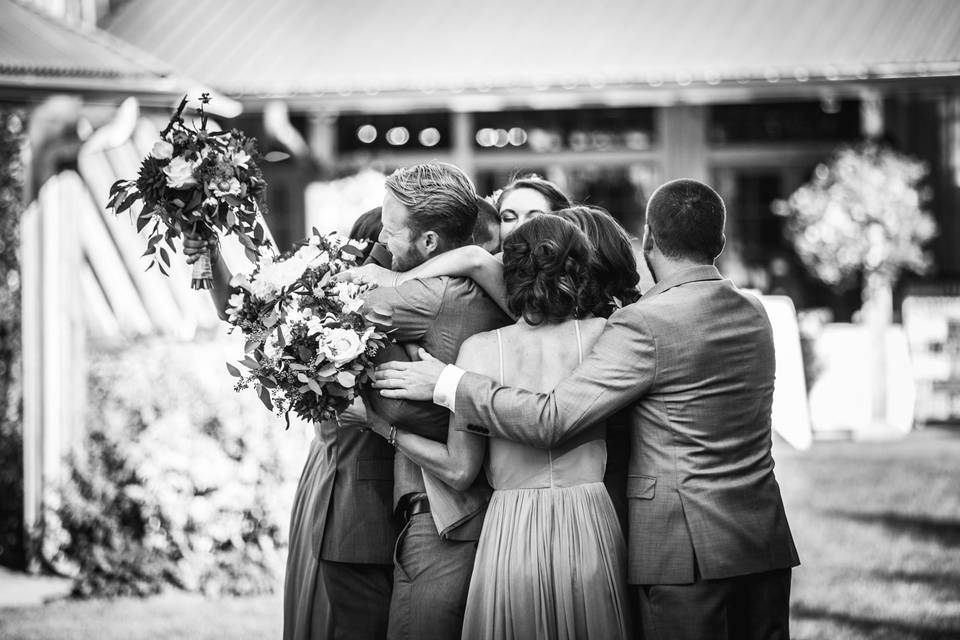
(590, 330)
(475, 352)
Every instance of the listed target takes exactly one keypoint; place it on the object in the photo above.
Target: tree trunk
(878, 316)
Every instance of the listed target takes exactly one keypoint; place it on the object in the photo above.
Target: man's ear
(429, 243)
(648, 242)
(723, 243)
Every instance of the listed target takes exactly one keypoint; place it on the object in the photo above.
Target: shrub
(12, 547)
(178, 480)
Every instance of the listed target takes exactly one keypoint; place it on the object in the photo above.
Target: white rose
(340, 346)
(162, 150)
(347, 294)
(179, 173)
(240, 159)
(315, 326)
(308, 253)
(240, 280)
(234, 305)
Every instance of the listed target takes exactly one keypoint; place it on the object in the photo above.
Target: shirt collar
(691, 274)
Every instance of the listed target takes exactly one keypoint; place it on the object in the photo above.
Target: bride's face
(518, 206)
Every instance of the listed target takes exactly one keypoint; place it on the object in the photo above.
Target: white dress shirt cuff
(445, 391)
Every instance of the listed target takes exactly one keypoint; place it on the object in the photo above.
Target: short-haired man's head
(686, 219)
(486, 233)
(439, 197)
(548, 271)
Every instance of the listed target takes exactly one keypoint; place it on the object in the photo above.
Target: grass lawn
(877, 527)
(878, 531)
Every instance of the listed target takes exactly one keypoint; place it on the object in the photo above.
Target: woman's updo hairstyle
(548, 271)
(613, 258)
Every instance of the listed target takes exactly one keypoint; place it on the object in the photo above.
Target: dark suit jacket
(693, 363)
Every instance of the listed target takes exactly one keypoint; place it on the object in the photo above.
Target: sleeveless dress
(551, 560)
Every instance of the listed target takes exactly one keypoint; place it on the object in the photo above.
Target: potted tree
(861, 218)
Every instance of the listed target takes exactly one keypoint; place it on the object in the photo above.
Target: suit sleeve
(621, 368)
(406, 312)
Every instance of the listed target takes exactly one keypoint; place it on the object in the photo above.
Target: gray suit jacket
(693, 363)
(439, 313)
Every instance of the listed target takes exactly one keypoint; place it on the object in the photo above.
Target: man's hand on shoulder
(409, 380)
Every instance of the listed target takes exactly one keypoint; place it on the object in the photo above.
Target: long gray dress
(551, 560)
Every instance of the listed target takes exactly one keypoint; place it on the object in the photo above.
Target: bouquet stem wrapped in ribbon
(197, 180)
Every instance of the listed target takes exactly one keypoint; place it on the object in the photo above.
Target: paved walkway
(25, 590)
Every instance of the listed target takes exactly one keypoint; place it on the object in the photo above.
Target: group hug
(544, 452)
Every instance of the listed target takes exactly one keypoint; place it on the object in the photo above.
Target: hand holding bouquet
(198, 181)
(308, 346)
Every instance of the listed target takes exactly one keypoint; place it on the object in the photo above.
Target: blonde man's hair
(439, 197)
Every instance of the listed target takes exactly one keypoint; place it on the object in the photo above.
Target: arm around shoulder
(621, 368)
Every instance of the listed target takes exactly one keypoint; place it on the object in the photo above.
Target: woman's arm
(456, 461)
(470, 261)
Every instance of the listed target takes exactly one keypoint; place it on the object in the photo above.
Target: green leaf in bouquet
(251, 255)
(352, 250)
(246, 241)
(336, 390)
(142, 222)
(232, 200)
(149, 266)
(194, 201)
(231, 218)
(165, 256)
(268, 381)
(346, 379)
(127, 202)
(117, 187)
(327, 371)
(151, 249)
(296, 366)
(304, 353)
(258, 233)
(251, 345)
(234, 371)
(271, 318)
(250, 363)
(265, 397)
(302, 377)
(280, 339)
(162, 270)
(315, 387)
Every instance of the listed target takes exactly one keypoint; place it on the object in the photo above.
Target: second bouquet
(205, 182)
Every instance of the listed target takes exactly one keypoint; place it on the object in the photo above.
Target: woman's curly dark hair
(548, 271)
(614, 259)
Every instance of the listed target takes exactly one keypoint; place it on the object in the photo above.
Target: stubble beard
(408, 260)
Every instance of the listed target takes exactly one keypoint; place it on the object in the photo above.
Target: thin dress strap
(500, 349)
(576, 323)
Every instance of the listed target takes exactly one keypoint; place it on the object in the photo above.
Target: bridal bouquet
(196, 180)
(308, 346)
